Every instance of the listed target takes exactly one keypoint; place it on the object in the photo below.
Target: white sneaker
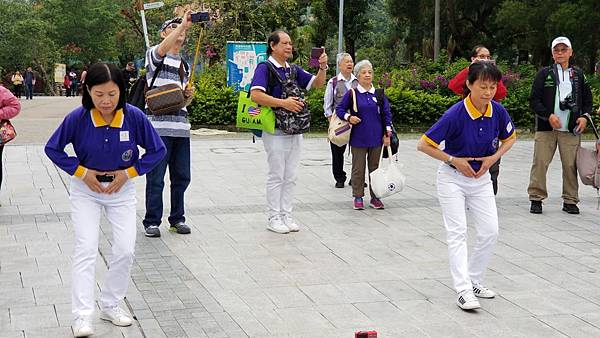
(276, 225)
(82, 327)
(482, 292)
(289, 222)
(467, 301)
(116, 315)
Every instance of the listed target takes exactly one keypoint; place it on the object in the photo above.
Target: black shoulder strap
(156, 71)
(380, 95)
(273, 76)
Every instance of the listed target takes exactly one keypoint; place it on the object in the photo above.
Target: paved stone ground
(345, 270)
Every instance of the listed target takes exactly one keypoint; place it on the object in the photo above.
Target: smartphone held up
(201, 16)
(315, 54)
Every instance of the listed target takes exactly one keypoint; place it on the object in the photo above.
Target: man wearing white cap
(560, 97)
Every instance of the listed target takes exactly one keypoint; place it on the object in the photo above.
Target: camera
(568, 104)
(200, 17)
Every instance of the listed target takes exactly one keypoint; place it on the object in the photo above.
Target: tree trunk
(49, 84)
(350, 47)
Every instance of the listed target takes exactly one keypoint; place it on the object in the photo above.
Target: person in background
(560, 97)
(17, 81)
(67, 85)
(283, 150)
(173, 128)
(74, 82)
(105, 133)
(335, 90)
(477, 131)
(368, 134)
(29, 83)
(480, 54)
(130, 75)
(83, 75)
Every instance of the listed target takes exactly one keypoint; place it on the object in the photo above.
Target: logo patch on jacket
(126, 156)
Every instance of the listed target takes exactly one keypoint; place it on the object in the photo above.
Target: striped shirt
(175, 124)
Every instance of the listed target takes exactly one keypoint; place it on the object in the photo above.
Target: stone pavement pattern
(345, 270)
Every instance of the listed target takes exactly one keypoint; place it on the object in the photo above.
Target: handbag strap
(589, 118)
(389, 149)
(354, 105)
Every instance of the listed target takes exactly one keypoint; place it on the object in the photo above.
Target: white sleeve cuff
(346, 117)
(310, 82)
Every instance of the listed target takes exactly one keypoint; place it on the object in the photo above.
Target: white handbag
(339, 130)
(387, 180)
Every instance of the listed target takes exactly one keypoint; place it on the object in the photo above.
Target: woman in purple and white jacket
(367, 134)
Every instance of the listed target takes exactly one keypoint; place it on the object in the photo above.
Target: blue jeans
(178, 161)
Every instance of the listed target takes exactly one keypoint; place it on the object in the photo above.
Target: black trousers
(337, 162)
(494, 172)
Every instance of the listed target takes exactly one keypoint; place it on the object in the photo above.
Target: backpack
(289, 122)
(394, 141)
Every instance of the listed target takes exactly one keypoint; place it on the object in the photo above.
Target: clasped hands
(462, 164)
(120, 177)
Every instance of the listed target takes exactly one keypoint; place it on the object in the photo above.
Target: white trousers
(460, 195)
(283, 157)
(86, 209)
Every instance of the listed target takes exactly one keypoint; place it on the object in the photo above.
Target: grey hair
(341, 57)
(360, 65)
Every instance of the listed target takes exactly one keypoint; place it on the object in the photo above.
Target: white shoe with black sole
(467, 301)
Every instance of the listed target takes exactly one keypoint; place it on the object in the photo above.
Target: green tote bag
(251, 115)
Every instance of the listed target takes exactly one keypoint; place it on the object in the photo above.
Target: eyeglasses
(560, 50)
(484, 57)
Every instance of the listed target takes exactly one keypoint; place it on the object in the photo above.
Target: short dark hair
(100, 73)
(275, 38)
(484, 71)
(476, 49)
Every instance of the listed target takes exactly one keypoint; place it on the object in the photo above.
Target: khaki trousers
(362, 157)
(543, 152)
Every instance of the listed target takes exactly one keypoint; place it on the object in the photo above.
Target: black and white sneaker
(467, 301)
(482, 292)
(152, 231)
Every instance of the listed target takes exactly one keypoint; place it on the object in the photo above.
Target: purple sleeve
(305, 78)
(440, 130)
(507, 128)
(55, 147)
(153, 145)
(261, 78)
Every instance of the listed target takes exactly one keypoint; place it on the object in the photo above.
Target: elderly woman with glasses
(368, 133)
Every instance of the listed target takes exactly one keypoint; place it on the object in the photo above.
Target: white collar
(341, 77)
(277, 64)
(361, 89)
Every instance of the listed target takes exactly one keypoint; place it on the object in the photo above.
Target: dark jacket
(543, 94)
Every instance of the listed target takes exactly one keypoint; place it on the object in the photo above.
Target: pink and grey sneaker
(376, 203)
(358, 203)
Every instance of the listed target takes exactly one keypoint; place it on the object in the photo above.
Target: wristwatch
(449, 160)
(325, 68)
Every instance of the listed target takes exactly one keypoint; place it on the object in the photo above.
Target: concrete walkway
(344, 271)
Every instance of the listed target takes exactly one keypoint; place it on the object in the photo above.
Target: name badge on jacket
(124, 136)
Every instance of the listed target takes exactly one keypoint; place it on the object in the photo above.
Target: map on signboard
(242, 58)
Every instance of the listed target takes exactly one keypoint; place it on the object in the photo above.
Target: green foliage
(314, 98)
(214, 103)
(417, 109)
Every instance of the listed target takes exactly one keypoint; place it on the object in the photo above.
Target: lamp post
(340, 33)
(436, 32)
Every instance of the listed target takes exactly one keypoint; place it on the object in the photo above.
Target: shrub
(214, 103)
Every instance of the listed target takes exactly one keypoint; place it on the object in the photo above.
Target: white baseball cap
(561, 39)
